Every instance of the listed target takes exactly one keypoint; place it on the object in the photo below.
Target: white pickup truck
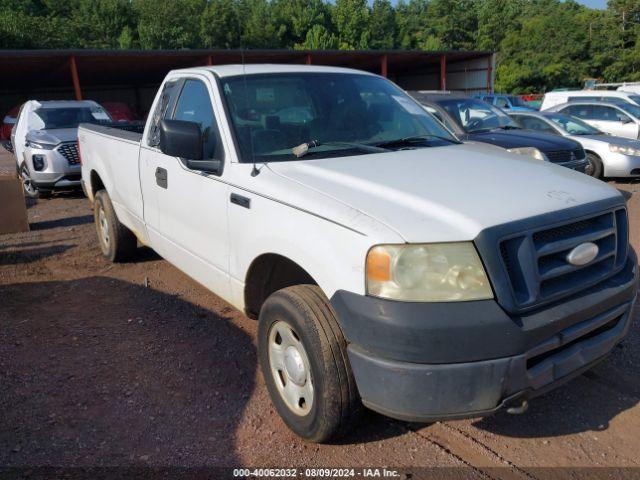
(388, 263)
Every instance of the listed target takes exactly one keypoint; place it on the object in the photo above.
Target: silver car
(45, 141)
(608, 155)
(616, 118)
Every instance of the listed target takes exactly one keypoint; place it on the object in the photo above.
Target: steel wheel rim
(26, 180)
(591, 167)
(290, 368)
(103, 226)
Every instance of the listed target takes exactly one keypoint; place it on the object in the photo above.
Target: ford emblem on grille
(582, 254)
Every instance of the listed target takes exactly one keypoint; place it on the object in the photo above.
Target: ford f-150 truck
(388, 263)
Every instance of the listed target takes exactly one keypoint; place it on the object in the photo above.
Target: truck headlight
(41, 146)
(433, 272)
(624, 150)
(530, 152)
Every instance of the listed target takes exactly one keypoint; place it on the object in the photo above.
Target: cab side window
(160, 112)
(580, 111)
(194, 105)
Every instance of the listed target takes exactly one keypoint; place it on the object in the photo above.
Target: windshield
(630, 108)
(573, 125)
(53, 118)
(273, 113)
(475, 116)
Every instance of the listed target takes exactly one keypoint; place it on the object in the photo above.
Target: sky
(594, 3)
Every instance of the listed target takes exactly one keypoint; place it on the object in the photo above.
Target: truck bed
(125, 131)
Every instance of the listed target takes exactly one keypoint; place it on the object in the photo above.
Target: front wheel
(30, 190)
(304, 362)
(594, 168)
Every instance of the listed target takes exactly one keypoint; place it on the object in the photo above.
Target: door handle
(240, 200)
(161, 177)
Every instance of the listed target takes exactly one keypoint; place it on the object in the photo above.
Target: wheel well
(592, 153)
(268, 273)
(96, 182)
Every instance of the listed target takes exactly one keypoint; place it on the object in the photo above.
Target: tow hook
(517, 410)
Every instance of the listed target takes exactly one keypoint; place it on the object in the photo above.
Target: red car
(8, 122)
(120, 112)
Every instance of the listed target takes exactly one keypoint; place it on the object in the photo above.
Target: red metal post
(489, 66)
(75, 78)
(384, 65)
(209, 60)
(443, 72)
(309, 59)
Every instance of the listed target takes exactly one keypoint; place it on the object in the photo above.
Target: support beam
(209, 60)
(75, 78)
(443, 72)
(384, 65)
(309, 59)
(489, 72)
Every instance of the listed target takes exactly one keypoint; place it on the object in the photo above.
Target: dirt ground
(136, 365)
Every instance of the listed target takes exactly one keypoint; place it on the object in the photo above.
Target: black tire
(29, 189)
(117, 242)
(335, 402)
(595, 164)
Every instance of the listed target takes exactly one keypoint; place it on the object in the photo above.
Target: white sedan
(609, 156)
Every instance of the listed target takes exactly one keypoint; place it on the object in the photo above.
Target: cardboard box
(13, 208)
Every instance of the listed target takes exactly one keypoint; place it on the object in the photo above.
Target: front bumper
(577, 165)
(435, 361)
(57, 171)
(619, 165)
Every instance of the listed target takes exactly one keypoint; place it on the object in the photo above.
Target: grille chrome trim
(534, 261)
(70, 152)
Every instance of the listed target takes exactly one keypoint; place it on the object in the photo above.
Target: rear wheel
(304, 362)
(117, 242)
(595, 165)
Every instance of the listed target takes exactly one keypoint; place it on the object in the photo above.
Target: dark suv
(474, 120)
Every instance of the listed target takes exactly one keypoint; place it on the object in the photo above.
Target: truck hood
(53, 136)
(544, 142)
(445, 193)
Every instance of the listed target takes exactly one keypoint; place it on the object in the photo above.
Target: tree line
(541, 44)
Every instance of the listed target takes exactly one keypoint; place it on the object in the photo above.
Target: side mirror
(179, 138)
(209, 166)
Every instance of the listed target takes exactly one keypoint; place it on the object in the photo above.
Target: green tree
(351, 19)
(100, 23)
(319, 38)
(220, 25)
(411, 19)
(169, 24)
(382, 25)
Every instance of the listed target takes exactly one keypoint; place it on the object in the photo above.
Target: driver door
(191, 206)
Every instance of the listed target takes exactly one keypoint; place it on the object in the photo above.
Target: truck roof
(259, 68)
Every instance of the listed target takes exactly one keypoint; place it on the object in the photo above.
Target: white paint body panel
(322, 214)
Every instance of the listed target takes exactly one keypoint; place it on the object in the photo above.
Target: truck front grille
(536, 265)
(70, 152)
(564, 156)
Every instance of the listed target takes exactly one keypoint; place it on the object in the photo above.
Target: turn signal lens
(378, 265)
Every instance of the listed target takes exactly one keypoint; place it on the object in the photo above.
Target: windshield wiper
(302, 149)
(510, 127)
(415, 140)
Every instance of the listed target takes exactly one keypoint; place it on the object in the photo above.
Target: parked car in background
(475, 120)
(608, 156)
(8, 122)
(619, 119)
(551, 99)
(513, 103)
(45, 141)
(120, 111)
(387, 262)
